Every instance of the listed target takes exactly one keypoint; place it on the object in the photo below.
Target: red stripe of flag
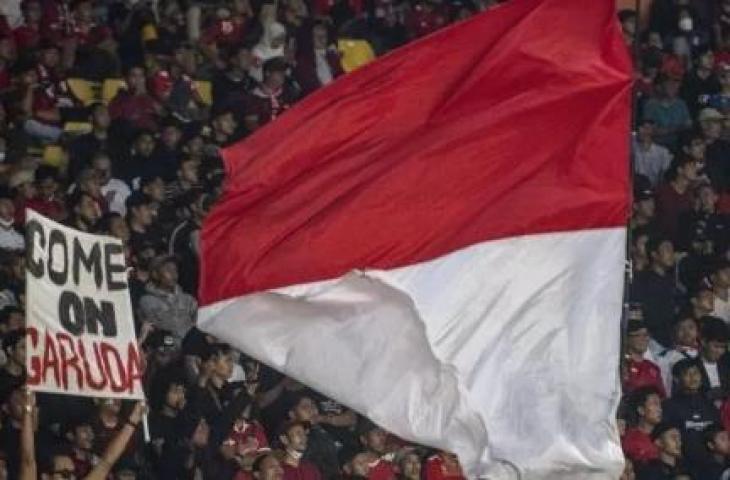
(514, 122)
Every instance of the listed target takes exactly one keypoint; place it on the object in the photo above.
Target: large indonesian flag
(437, 240)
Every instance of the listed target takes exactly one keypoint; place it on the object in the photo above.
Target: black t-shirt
(657, 295)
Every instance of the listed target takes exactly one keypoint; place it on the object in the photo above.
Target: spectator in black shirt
(85, 146)
(12, 374)
(656, 290)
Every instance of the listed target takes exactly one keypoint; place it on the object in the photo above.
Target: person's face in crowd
(269, 469)
(100, 118)
(240, 7)
(411, 467)
(638, 341)
(305, 411)
(225, 124)
(194, 146)
(118, 228)
(670, 443)
(155, 190)
(712, 350)
(7, 209)
(360, 464)
(720, 444)
(91, 184)
(708, 198)
(686, 332)
(15, 322)
(689, 171)
(319, 37)
(703, 302)
(144, 145)
(201, 435)
(110, 406)
(175, 397)
(696, 149)
(374, 440)
(27, 190)
(664, 255)
(88, 210)
(628, 473)
(8, 52)
(32, 12)
(166, 275)
(17, 269)
(646, 207)
(242, 60)
(143, 214)
(84, 12)
(171, 137)
(651, 411)
(671, 88)
(295, 438)
(50, 58)
(223, 366)
(83, 437)
(103, 167)
(136, 80)
(707, 60)
(17, 354)
(275, 79)
(63, 468)
(712, 129)
(48, 187)
(189, 172)
(691, 380)
(646, 132)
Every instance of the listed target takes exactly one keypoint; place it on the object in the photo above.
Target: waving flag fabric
(437, 240)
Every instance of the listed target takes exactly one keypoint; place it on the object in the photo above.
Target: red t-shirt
(305, 471)
(140, 110)
(436, 470)
(383, 470)
(670, 205)
(643, 374)
(638, 446)
(26, 37)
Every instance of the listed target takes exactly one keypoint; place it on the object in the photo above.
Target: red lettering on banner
(61, 355)
(34, 363)
(67, 362)
(100, 385)
(107, 350)
(50, 359)
(134, 367)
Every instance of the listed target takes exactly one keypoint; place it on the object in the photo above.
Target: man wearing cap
(640, 372)
(10, 238)
(668, 466)
(717, 150)
(650, 159)
(644, 208)
(689, 409)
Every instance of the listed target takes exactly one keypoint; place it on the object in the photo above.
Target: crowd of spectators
(112, 115)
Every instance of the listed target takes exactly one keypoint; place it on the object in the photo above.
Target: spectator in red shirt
(640, 372)
(409, 464)
(674, 198)
(134, 104)
(293, 438)
(29, 34)
(443, 466)
(273, 96)
(266, 467)
(647, 407)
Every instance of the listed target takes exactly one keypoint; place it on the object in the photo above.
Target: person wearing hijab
(271, 45)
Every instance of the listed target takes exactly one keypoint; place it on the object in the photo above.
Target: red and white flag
(437, 240)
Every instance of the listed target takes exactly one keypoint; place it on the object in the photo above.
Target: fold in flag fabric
(437, 240)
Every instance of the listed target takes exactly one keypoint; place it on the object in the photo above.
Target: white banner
(81, 338)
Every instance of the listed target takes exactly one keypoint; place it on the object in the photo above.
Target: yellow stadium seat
(77, 128)
(355, 53)
(55, 156)
(110, 87)
(87, 92)
(149, 32)
(205, 90)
